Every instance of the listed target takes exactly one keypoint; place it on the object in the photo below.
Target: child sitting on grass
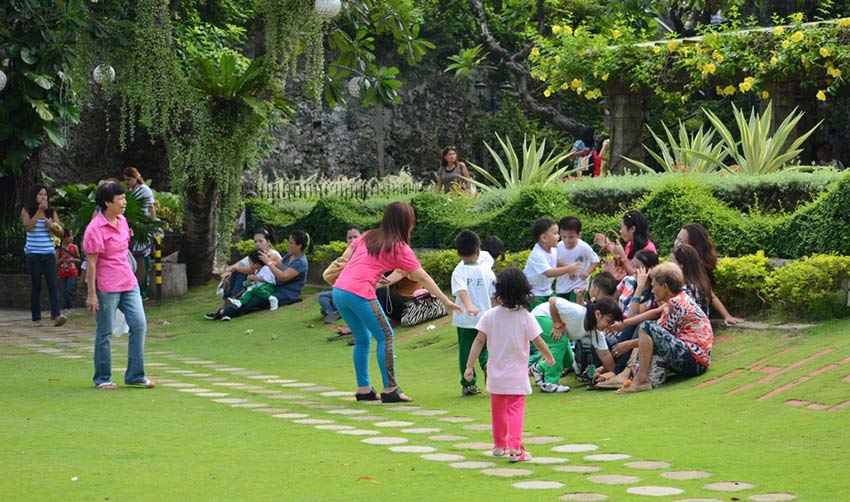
(260, 283)
(507, 331)
(473, 286)
(577, 253)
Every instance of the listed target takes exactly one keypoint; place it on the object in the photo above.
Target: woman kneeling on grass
(369, 256)
(682, 336)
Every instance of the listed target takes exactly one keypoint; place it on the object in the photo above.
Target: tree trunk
(199, 223)
(626, 131)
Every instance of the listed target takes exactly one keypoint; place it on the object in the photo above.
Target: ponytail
(605, 306)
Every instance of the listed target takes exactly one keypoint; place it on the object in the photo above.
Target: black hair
(495, 247)
(640, 239)
(254, 256)
(512, 288)
(354, 227)
(606, 283)
(467, 243)
(268, 233)
(541, 226)
(587, 136)
(648, 257)
(32, 206)
(570, 223)
(67, 232)
(302, 238)
(605, 306)
(106, 192)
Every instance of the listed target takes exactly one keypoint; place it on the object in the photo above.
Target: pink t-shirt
(363, 270)
(508, 334)
(649, 245)
(111, 243)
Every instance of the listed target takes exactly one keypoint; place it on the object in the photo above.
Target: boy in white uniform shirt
(542, 266)
(473, 285)
(572, 251)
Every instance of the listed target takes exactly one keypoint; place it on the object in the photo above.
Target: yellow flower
(729, 90)
(542, 77)
(745, 86)
(843, 22)
(779, 30)
(833, 72)
(564, 86)
(556, 29)
(656, 49)
(765, 94)
(672, 46)
(575, 32)
(773, 61)
(568, 30)
(761, 66)
(533, 74)
(557, 58)
(785, 44)
(683, 98)
(575, 84)
(718, 89)
(535, 51)
(821, 95)
(589, 95)
(797, 36)
(798, 16)
(605, 77)
(824, 52)
(708, 69)
(718, 56)
(616, 34)
(547, 93)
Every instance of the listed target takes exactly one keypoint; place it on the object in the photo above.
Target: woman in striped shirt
(40, 220)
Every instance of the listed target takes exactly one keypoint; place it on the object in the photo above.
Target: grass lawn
(767, 414)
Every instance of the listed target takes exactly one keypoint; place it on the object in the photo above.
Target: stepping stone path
(268, 386)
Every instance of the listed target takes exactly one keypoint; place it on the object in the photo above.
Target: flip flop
(631, 389)
(609, 384)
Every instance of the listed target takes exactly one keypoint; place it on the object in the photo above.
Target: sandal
(106, 386)
(395, 396)
(372, 395)
(143, 384)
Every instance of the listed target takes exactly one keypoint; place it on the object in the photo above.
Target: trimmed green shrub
(740, 283)
(820, 227)
(330, 217)
(813, 288)
(512, 223)
(326, 253)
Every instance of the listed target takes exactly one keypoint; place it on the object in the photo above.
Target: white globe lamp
(2, 80)
(103, 73)
(327, 9)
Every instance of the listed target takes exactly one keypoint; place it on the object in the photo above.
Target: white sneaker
(233, 301)
(273, 303)
(551, 388)
(536, 373)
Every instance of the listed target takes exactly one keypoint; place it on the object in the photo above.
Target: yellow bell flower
(656, 49)
(833, 72)
(765, 94)
(798, 16)
(745, 86)
(575, 84)
(557, 58)
(729, 90)
(547, 93)
(821, 95)
(672, 46)
(797, 36)
(564, 86)
(785, 44)
(824, 52)
(535, 51)
(843, 22)
(605, 77)
(556, 29)
(773, 61)
(615, 34)
(718, 56)
(779, 30)
(568, 30)
(708, 69)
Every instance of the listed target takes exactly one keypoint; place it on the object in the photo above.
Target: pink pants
(507, 412)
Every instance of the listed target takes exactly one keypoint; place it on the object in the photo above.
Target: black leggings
(43, 265)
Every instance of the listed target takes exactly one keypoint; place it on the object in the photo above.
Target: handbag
(331, 273)
(422, 308)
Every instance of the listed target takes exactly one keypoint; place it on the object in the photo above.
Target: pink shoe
(520, 457)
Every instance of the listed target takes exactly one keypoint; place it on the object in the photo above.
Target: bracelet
(635, 299)
(558, 325)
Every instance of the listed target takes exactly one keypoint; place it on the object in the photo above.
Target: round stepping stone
(547, 460)
(228, 369)
(322, 406)
(179, 372)
(247, 373)
(243, 386)
(284, 396)
(249, 405)
(728, 486)
(359, 432)
(396, 407)
(607, 457)
(179, 385)
(697, 500)
(443, 457)
(429, 413)
(384, 440)
(647, 465)
(202, 361)
(584, 496)
(471, 465)
(213, 394)
(476, 427)
(421, 430)
(474, 446)
(393, 423)
(291, 415)
(297, 384)
(685, 475)
(366, 418)
(227, 384)
(231, 400)
(270, 410)
(456, 420)
(318, 388)
(505, 472)
(581, 469)
(313, 421)
(263, 391)
(198, 375)
(538, 485)
(215, 379)
(194, 390)
(71, 356)
(281, 380)
(772, 497)
(335, 393)
(655, 491)
(613, 479)
(263, 377)
(335, 427)
(163, 381)
(541, 439)
(447, 437)
(347, 411)
(413, 449)
(574, 448)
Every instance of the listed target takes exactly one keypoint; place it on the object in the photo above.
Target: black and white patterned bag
(420, 309)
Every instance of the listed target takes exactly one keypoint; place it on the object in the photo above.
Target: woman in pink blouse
(112, 285)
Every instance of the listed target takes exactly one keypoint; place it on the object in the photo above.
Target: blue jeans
(67, 285)
(130, 303)
(43, 264)
(326, 302)
(367, 320)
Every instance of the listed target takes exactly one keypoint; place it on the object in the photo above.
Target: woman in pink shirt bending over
(507, 331)
(369, 256)
(112, 285)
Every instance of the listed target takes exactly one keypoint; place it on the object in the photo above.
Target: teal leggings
(367, 321)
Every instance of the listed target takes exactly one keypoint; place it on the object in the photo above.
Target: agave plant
(535, 166)
(676, 155)
(759, 151)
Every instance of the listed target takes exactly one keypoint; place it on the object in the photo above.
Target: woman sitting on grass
(682, 336)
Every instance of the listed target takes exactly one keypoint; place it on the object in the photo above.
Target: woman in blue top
(291, 277)
(39, 222)
(582, 149)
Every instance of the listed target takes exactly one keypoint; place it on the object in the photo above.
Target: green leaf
(43, 81)
(55, 134)
(28, 56)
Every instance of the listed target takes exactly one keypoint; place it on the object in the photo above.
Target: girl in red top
(67, 256)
